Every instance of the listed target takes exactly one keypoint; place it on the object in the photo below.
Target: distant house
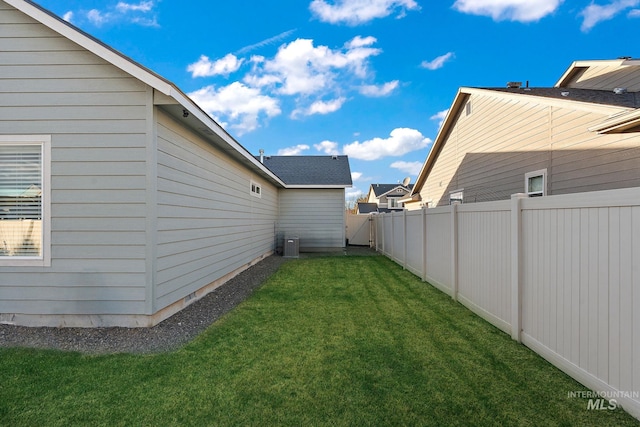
(386, 197)
(312, 207)
(583, 134)
(121, 201)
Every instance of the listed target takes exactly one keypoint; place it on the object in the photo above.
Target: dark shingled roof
(365, 208)
(605, 97)
(311, 170)
(379, 189)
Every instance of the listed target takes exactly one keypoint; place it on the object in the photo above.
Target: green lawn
(326, 341)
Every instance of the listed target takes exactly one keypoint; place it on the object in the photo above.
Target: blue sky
(367, 78)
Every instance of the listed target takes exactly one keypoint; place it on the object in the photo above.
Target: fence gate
(359, 230)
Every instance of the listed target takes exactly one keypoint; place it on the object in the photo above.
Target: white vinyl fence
(359, 231)
(561, 274)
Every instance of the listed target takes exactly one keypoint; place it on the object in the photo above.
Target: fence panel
(581, 291)
(414, 242)
(484, 261)
(387, 240)
(438, 245)
(398, 240)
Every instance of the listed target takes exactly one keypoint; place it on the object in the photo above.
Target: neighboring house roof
(380, 190)
(623, 109)
(311, 171)
(366, 208)
(166, 94)
(604, 97)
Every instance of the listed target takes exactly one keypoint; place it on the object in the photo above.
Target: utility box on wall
(291, 247)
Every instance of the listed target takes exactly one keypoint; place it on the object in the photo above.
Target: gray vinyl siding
(488, 152)
(209, 224)
(315, 216)
(95, 115)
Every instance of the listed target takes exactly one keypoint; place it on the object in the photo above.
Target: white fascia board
(618, 123)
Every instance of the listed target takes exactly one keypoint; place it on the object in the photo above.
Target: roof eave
(317, 186)
(619, 123)
(458, 102)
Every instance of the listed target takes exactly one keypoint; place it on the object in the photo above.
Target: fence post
(454, 251)
(423, 236)
(404, 232)
(516, 265)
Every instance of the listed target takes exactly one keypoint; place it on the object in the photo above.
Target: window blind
(20, 200)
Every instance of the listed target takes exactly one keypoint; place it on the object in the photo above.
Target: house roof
(366, 208)
(623, 107)
(603, 97)
(382, 189)
(166, 94)
(311, 171)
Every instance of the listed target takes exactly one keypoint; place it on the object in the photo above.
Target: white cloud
(354, 12)
(300, 68)
(319, 107)
(594, 13)
(377, 91)
(440, 116)
(412, 168)
(134, 13)
(401, 141)
(327, 147)
(204, 67)
(509, 10)
(355, 176)
(293, 151)
(437, 62)
(98, 18)
(240, 104)
(144, 6)
(318, 78)
(635, 13)
(68, 16)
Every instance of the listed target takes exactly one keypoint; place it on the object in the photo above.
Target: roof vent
(564, 93)
(514, 85)
(334, 157)
(620, 90)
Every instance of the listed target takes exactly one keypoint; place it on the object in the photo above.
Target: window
(535, 183)
(394, 204)
(256, 190)
(456, 197)
(24, 198)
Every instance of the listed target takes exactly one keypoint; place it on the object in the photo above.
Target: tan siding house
(581, 135)
(126, 201)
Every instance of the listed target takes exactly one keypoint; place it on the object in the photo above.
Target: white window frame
(398, 205)
(255, 189)
(459, 199)
(44, 260)
(535, 174)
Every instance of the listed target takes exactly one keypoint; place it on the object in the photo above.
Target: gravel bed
(167, 335)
